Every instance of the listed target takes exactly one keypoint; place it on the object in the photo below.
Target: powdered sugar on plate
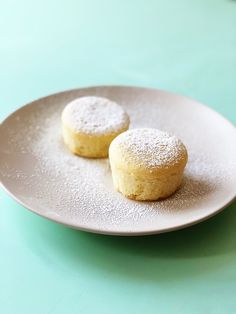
(79, 191)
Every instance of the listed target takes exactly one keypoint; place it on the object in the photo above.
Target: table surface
(188, 47)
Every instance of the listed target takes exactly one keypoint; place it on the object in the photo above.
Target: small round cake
(147, 164)
(91, 123)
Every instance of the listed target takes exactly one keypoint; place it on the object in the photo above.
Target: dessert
(147, 164)
(91, 123)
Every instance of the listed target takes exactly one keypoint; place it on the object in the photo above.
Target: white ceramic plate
(42, 175)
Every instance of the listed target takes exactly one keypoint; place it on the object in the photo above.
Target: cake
(91, 123)
(147, 164)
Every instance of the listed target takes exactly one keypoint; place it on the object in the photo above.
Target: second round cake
(147, 164)
(91, 123)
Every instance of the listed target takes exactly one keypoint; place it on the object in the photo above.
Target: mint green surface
(188, 47)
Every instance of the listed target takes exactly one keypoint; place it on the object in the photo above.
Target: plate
(40, 173)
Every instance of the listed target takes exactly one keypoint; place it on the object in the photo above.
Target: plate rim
(110, 232)
(119, 233)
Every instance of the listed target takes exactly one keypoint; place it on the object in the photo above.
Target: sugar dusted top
(95, 115)
(150, 148)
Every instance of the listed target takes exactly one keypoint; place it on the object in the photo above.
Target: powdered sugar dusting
(95, 115)
(79, 191)
(150, 148)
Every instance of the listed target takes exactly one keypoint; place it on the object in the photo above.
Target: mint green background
(183, 46)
